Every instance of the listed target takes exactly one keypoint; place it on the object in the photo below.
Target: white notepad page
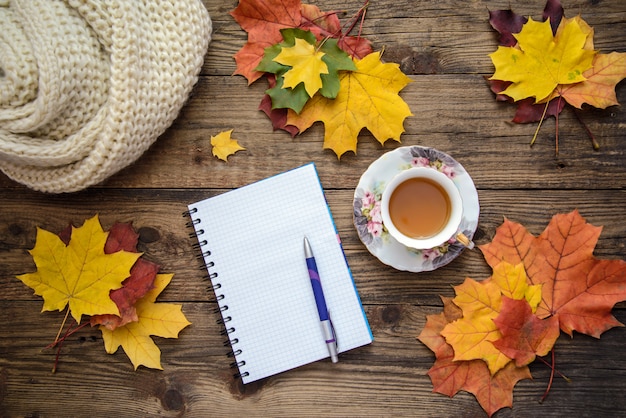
(255, 237)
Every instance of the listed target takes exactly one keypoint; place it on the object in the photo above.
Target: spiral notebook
(251, 240)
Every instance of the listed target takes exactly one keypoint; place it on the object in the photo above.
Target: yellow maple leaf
(155, 319)
(368, 98)
(513, 283)
(540, 61)
(224, 145)
(79, 274)
(306, 65)
(472, 335)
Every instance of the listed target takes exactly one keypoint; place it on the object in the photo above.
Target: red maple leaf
(578, 289)
(122, 236)
(524, 335)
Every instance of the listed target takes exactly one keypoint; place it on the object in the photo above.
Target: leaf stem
(553, 370)
(360, 15)
(594, 143)
(67, 313)
(67, 334)
(545, 394)
(556, 150)
(543, 116)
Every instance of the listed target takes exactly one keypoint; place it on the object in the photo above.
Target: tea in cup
(422, 208)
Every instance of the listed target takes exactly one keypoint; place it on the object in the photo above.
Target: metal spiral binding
(202, 255)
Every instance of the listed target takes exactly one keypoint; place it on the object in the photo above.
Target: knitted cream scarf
(86, 86)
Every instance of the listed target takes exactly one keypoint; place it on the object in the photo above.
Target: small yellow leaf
(79, 274)
(224, 145)
(306, 66)
(155, 319)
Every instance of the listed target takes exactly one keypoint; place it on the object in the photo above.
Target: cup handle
(463, 239)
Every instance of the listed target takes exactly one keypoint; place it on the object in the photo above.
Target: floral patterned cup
(451, 227)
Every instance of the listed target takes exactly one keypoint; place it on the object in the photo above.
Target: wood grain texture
(443, 47)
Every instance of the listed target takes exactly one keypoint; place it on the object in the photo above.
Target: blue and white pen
(322, 310)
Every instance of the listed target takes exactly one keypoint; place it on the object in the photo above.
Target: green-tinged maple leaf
(79, 275)
(541, 61)
(294, 95)
(368, 98)
(264, 19)
(154, 319)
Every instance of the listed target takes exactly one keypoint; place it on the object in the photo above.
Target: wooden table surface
(443, 47)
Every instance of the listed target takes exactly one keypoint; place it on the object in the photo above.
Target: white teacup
(422, 208)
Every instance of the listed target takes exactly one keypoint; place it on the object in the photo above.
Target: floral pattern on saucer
(368, 220)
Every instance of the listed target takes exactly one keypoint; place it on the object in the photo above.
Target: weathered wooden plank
(443, 46)
(456, 114)
(165, 238)
(429, 37)
(386, 378)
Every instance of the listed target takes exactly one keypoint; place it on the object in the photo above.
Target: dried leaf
(577, 288)
(473, 334)
(449, 376)
(79, 274)
(224, 145)
(262, 20)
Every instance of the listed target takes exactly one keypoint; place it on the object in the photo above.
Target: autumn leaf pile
(90, 272)
(543, 65)
(492, 329)
(318, 72)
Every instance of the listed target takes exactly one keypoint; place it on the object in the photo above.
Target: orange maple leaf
(598, 89)
(577, 288)
(449, 376)
(263, 20)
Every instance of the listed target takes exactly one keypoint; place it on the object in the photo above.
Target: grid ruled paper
(255, 237)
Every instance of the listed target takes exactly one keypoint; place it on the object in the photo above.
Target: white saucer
(368, 222)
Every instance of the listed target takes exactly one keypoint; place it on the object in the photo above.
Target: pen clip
(332, 328)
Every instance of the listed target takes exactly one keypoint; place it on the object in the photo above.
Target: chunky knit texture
(86, 86)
